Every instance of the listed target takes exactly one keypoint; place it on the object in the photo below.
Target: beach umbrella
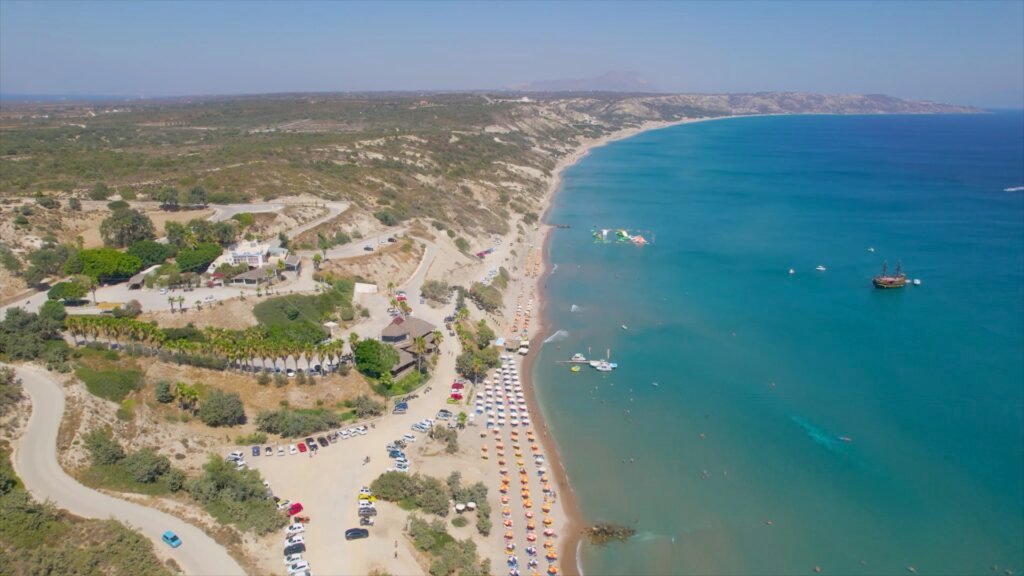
(505, 480)
(509, 535)
(471, 506)
(549, 545)
(508, 522)
(506, 511)
(501, 462)
(503, 489)
(548, 521)
(552, 570)
(460, 508)
(504, 499)
(529, 514)
(546, 507)
(528, 504)
(531, 537)
(530, 525)
(544, 478)
(551, 556)
(549, 532)
(520, 462)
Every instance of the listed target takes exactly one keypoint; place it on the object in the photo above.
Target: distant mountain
(611, 81)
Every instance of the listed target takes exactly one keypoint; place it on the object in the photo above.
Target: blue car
(171, 539)
(255, 450)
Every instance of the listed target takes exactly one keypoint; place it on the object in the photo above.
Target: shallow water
(874, 430)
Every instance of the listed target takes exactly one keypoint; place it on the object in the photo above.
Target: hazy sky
(964, 53)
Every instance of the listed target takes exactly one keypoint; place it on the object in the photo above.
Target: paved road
(35, 460)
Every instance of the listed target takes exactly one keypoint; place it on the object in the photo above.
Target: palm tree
(317, 259)
(188, 396)
(353, 341)
(391, 288)
(171, 300)
(419, 348)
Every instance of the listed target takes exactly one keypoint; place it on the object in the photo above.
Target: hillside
(470, 162)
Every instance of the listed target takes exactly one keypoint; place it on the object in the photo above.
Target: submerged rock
(600, 534)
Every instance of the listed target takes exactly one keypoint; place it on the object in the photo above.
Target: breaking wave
(1014, 189)
(556, 337)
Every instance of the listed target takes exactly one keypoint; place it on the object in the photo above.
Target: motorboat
(820, 268)
(791, 271)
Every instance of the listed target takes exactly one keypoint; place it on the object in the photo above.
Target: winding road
(35, 460)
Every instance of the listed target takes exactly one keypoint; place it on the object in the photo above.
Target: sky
(954, 52)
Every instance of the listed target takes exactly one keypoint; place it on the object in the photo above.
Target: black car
(311, 443)
(323, 441)
(294, 549)
(356, 533)
(368, 248)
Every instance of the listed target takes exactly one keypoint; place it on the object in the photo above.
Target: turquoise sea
(736, 462)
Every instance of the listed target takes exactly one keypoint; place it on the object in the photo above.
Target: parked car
(297, 539)
(367, 511)
(292, 558)
(255, 450)
(280, 450)
(310, 442)
(366, 504)
(294, 509)
(292, 449)
(171, 539)
(235, 456)
(294, 549)
(323, 441)
(267, 450)
(362, 430)
(293, 529)
(283, 504)
(368, 248)
(290, 373)
(408, 438)
(302, 447)
(356, 533)
(300, 566)
(365, 521)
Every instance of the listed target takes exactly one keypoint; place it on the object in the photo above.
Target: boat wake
(574, 308)
(557, 337)
(1014, 189)
(820, 437)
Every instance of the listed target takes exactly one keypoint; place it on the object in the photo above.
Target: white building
(251, 253)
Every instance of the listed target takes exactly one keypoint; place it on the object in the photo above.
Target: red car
(302, 447)
(294, 509)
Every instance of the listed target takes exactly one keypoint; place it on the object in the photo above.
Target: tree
(177, 234)
(150, 252)
(103, 265)
(102, 447)
(395, 486)
(168, 198)
(199, 258)
(317, 259)
(220, 409)
(484, 334)
(125, 227)
(99, 192)
(69, 291)
(419, 348)
(373, 358)
(322, 243)
(187, 396)
(146, 466)
(75, 204)
(53, 310)
(197, 196)
(164, 393)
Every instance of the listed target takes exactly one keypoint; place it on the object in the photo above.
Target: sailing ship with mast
(885, 280)
(604, 365)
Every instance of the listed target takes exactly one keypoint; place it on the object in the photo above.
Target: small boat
(791, 271)
(885, 281)
(871, 249)
(624, 327)
(846, 439)
(577, 357)
(820, 268)
(575, 368)
(917, 281)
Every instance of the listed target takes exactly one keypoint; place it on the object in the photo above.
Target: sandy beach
(329, 482)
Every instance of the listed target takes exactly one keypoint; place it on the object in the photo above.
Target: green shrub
(102, 447)
(459, 521)
(301, 422)
(373, 358)
(164, 392)
(236, 497)
(220, 409)
(112, 385)
(146, 466)
(254, 438)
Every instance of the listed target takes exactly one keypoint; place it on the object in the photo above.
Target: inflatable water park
(622, 236)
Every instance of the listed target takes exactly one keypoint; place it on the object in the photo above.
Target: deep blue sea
(808, 419)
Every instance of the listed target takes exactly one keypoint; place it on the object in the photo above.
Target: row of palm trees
(245, 349)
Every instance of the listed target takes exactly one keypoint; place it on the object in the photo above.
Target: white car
(409, 437)
(366, 504)
(361, 430)
(296, 539)
(292, 449)
(280, 450)
(344, 434)
(240, 464)
(235, 456)
(284, 504)
(297, 567)
(293, 529)
(292, 558)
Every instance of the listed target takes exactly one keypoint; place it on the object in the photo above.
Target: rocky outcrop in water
(600, 534)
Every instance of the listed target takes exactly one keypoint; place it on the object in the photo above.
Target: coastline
(573, 532)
